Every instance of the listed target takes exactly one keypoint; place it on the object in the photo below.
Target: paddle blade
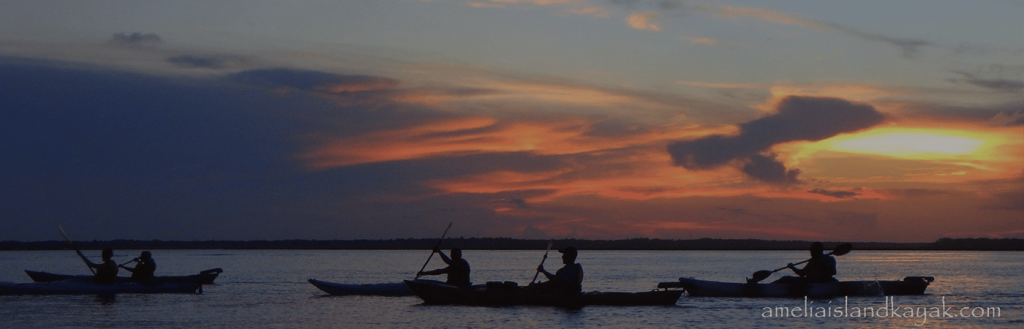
(842, 249)
(65, 235)
(761, 275)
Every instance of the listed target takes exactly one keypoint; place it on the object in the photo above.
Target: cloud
(643, 21)
(312, 80)
(702, 41)
(1003, 119)
(908, 46)
(797, 119)
(209, 62)
(591, 11)
(135, 39)
(766, 168)
(834, 194)
(144, 156)
(1013, 86)
(575, 7)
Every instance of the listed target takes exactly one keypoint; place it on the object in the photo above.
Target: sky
(541, 119)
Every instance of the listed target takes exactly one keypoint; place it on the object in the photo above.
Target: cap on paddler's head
(568, 250)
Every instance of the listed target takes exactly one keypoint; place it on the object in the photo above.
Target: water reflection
(269, 289)
(106, 299)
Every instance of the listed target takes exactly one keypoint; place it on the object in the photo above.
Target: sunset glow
(539, 119)
(909, 143)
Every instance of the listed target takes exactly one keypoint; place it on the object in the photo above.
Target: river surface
(268, 289)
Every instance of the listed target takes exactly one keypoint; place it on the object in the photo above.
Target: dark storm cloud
(834, 194)
(798, 119)
(135, 39)
(127, 152)
(209, 61)
(767, 169)
(113, 154)
(142, 156)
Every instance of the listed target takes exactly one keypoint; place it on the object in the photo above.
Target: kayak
(911, 285)
(363, 289)
(510, 293)
(204, 277)
(75, 287)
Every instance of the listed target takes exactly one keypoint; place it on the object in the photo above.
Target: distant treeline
(521, 244)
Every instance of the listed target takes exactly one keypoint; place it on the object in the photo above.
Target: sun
(909, 143)
(997, 151)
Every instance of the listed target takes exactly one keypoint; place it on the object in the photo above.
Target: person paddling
(567, 280)
(820, 268)
(457, 270)
(144, 269)
(106, 272)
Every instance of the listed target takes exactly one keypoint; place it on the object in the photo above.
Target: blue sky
(521, 118)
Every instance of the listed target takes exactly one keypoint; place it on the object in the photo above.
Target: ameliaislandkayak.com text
(890, 309)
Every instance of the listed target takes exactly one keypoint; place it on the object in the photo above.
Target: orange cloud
(643, 21)
(770, 16)
(702, 41)
(544, 137)
(576, 7)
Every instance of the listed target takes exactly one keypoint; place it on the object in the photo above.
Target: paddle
(72, 243)
(432, 250)
(542, 261)
(128, 262)
(840, 250)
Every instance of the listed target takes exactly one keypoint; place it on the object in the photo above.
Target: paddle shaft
(542, 262)
(794, 264)
(839, 251)
(432, 250)
(79, 252)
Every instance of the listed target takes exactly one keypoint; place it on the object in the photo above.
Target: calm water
(268, 289)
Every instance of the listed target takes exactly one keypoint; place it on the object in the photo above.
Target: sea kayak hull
(204, 277)
(509, 293)
(911, 285)
(72, 287)
(391, 289)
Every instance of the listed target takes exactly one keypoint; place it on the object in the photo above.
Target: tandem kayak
(204, 277)
(911, 285)
(363, 289)
(509, 293)
(76, 287)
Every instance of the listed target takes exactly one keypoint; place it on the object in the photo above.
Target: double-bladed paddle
(432, 250)
(840, 250)
(79, 252)
(128, 262)
(542, 261)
